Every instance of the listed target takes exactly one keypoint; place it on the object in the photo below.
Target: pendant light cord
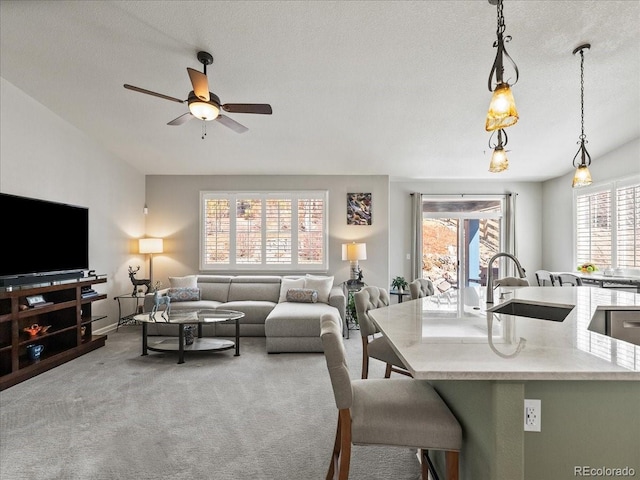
(582, 135)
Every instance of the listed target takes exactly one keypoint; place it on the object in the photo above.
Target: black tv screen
(42, 238)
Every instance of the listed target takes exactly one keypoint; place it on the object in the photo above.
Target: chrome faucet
(521, 272)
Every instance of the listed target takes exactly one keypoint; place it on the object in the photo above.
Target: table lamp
(354, 252)
(150, 246)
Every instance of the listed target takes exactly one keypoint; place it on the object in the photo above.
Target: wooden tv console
(67, 310)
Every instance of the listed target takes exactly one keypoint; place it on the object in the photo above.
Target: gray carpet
(113, 414)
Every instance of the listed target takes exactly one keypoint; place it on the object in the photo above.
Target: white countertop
(446, 337)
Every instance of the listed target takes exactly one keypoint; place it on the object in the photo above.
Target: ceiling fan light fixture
(502, 109)
(206, 111)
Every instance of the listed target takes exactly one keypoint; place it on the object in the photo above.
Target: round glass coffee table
(190, 317)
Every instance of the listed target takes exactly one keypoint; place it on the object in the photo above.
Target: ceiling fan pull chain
(204, 129)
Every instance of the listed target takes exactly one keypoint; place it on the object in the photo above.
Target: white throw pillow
(288, 283)
(322, 284)
(190, 281)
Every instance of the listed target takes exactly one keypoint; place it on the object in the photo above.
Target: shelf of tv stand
(68, 315)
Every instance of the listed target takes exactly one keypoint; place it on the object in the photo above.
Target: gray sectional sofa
(289, 326)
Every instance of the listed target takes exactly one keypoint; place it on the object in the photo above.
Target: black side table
(351, 321)
(400, 295)
(128, 299)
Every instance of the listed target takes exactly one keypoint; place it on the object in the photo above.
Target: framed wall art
(358, 209)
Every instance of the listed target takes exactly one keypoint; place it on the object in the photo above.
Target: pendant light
(502, 109)
(499, 160)
(582, 176)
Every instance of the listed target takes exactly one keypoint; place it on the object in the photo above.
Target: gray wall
(43, 156)
(173, 203)
(558, 238)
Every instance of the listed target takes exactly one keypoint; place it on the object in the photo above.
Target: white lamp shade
(150, 245)
(354, 251)
(204, 110)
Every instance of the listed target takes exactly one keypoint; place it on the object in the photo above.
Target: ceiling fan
(205, 105)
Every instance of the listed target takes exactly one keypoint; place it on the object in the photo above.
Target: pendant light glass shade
(502, 109)
(582, 177)
(499, 160)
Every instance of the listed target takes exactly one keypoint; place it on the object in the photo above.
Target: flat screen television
(43, 241)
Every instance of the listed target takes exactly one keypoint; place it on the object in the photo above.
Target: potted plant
(399, 283)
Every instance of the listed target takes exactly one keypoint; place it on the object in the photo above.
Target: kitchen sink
(543, 312)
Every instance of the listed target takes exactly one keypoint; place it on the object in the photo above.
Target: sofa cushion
(184, 294)
(265, 288)
(288, 283)
(322, 284)
(302, 295)
(255, 311)
(189, 281)
(214, 287)
(296, 319)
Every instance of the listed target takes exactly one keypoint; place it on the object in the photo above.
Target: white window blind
(628, 226)
(608, 224)
(258, 231)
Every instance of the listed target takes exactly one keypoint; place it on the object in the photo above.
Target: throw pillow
(184, 294)
(302, 295)
(321, 284)
(288, 283)
(190, 281)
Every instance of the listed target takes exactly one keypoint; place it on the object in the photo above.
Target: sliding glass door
(459, 236)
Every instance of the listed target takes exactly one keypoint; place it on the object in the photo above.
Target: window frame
(294, 265)
(612, 187)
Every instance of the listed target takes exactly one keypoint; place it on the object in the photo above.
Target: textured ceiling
(391, 88)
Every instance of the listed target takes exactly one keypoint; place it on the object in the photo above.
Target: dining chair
(374, 344)
(395, 412)
(421, 287)
(545, 279)
(569, 279)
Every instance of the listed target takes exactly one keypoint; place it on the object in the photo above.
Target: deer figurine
(137, 282)
(159, 300)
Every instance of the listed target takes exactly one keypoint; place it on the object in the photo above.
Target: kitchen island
(485, 364)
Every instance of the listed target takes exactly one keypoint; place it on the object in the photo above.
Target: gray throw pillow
(302, 295)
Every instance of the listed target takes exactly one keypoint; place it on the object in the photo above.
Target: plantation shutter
(628, 226)
(255, 231)
(217, 225)
(278, 230)
(310, 231)
(593, 228)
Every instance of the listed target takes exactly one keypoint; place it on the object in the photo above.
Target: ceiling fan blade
(263, 108)
(184, 118)
(149, 92)
(231, 123)
(200, 84)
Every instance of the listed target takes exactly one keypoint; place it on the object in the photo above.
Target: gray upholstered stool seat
(395, 412)
(404, 413)
(374, 344)
(421, 287)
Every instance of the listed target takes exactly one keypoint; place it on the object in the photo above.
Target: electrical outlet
(532, 415)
